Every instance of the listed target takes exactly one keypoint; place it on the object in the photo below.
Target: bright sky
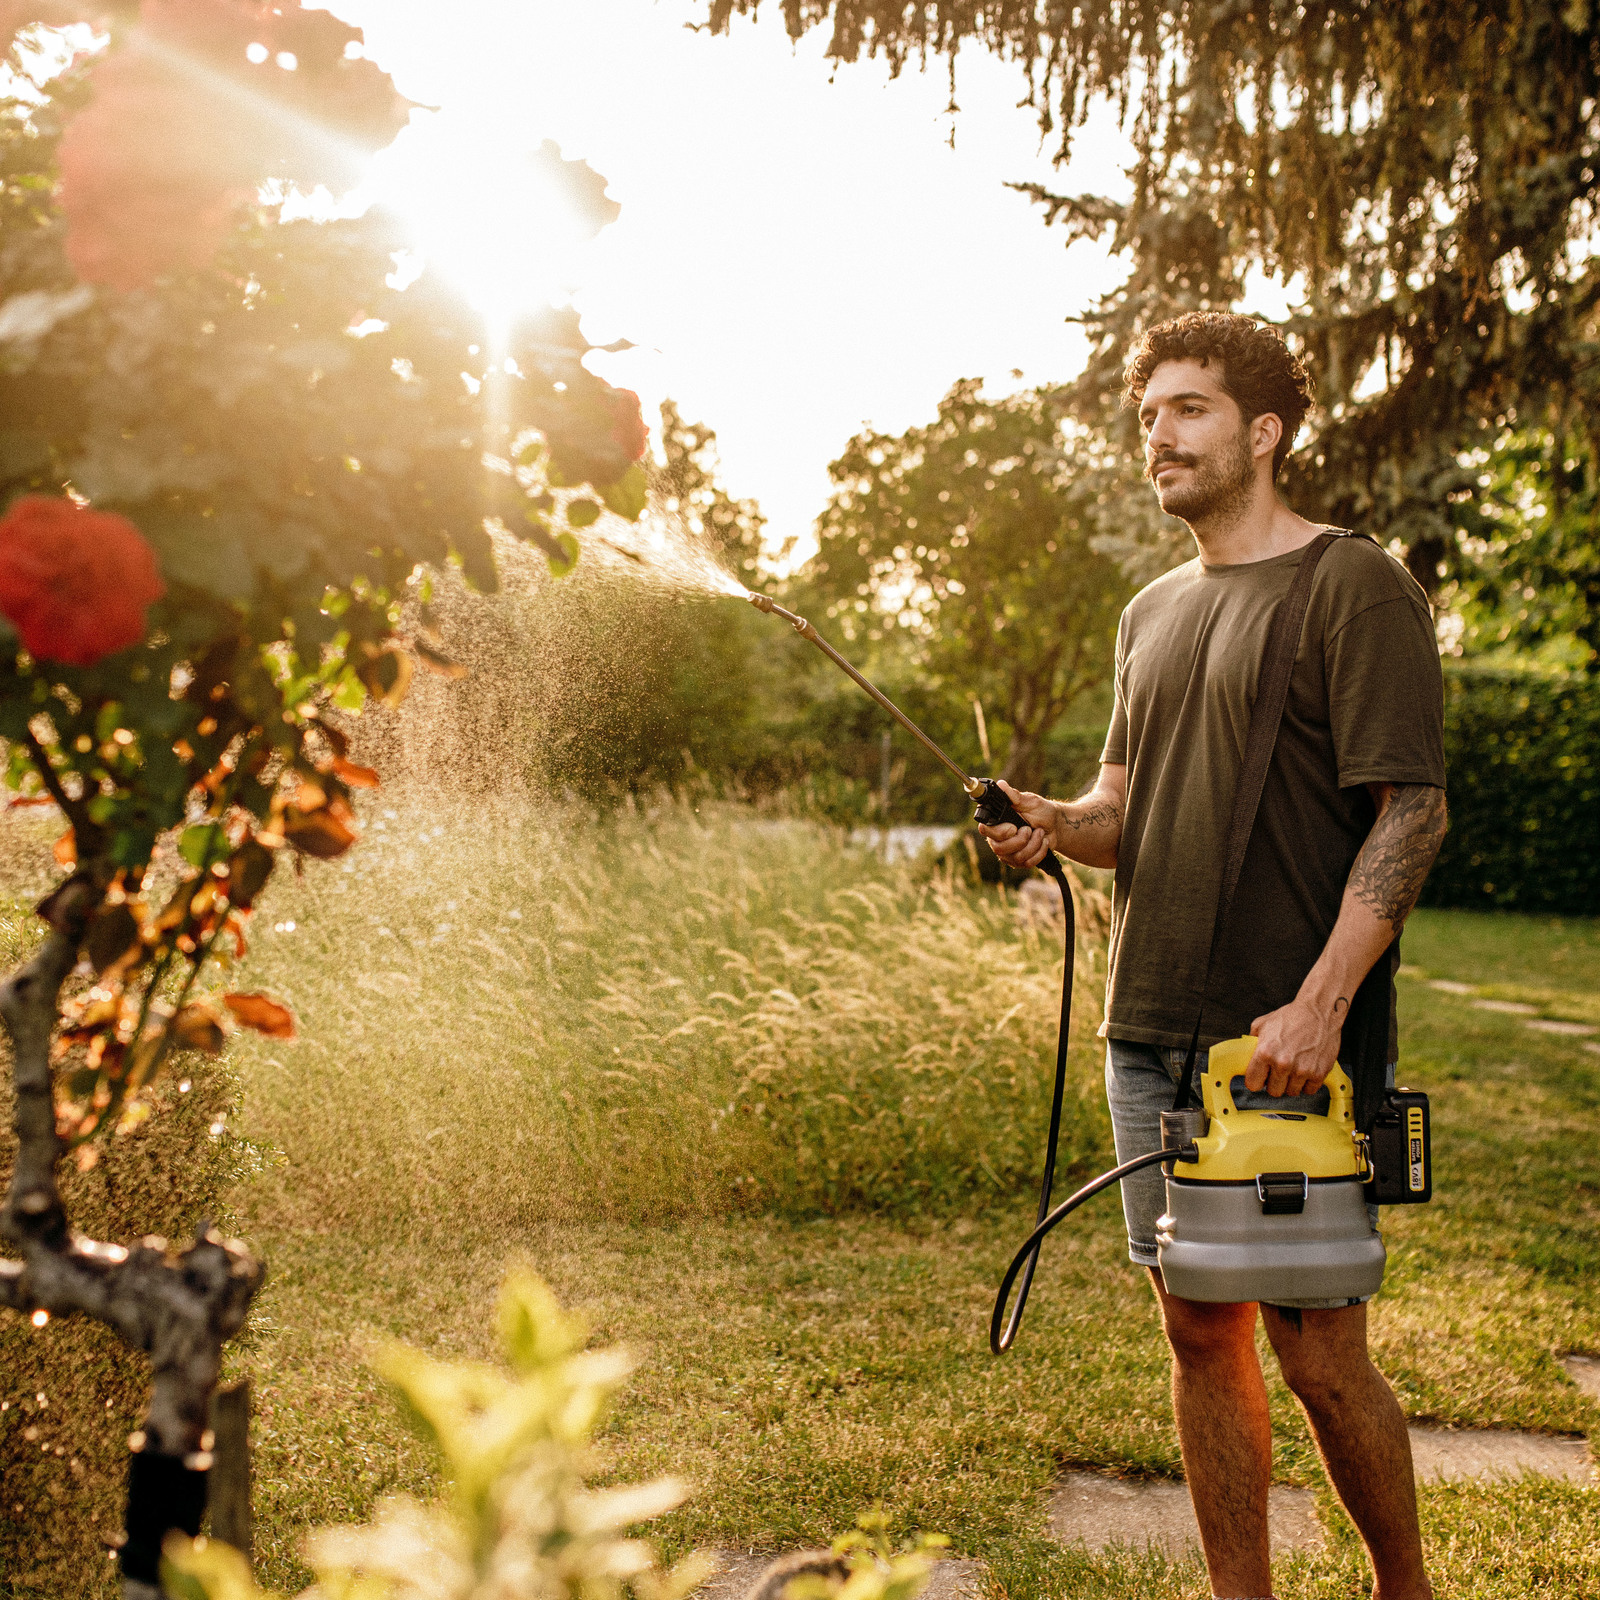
(795, 256)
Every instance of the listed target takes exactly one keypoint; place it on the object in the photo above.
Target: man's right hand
(1027, 846)
(1087, 830)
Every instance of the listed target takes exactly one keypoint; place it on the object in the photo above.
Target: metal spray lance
(992, 805)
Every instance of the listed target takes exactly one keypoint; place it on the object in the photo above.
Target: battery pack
(1400, 1149)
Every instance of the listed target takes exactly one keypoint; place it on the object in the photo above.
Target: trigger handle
(994, 808)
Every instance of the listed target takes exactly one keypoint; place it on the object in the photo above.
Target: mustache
(1167, 458)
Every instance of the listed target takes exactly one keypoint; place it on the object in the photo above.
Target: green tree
(971, 545)
(1425, 174)
(1527, 569)
(686, 487)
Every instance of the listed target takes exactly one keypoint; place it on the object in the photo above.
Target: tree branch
(178, 1306)
(28, 1007)
(83, 829)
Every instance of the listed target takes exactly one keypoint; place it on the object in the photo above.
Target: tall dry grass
(510, 1011)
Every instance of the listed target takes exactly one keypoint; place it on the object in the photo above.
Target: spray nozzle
(762, 603)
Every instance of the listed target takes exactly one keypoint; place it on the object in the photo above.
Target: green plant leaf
(202, 844)
(629, 495)
(561, 565)
(582, 513)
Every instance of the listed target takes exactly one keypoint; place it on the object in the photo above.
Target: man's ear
(1265, 432)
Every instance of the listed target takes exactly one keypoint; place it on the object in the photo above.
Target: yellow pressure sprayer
(1270, 1205)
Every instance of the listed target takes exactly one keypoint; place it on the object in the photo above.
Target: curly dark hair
(1254, 366)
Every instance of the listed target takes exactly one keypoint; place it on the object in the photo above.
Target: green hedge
(1524, 781)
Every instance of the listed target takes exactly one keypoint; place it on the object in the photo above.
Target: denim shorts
(1141, 1080)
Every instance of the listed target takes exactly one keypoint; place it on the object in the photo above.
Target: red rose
(627, 426)
(75, 582)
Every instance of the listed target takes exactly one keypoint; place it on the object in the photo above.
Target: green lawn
(798, 1367)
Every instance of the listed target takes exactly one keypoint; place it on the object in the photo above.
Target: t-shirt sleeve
(1386, 696)
(1115, 752)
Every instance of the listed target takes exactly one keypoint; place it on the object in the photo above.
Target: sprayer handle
(996, 808)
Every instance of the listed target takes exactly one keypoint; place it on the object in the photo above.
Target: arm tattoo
(1388, 874)
(1101, 814)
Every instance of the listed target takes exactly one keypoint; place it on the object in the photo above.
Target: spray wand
(993, 807)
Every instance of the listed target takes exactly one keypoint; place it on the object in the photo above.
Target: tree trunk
(1024, 768)
(179, 1306)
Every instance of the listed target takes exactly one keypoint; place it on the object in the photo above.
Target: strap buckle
(1283, 1194)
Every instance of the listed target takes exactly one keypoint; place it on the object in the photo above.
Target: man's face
(1197, 445)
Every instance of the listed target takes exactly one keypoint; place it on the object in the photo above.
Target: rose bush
(228, 472)
(76, 583)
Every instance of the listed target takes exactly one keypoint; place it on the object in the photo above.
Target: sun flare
(489, 211)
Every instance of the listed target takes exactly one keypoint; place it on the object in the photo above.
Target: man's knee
(1322, 1354)
(1201, 1332)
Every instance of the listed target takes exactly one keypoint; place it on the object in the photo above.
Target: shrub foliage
(1524, 794)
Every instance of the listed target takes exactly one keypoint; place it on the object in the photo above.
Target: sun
(506, 221)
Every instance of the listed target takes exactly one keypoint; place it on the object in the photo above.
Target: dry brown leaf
(434, 661)
(357, 777)
(262, 1013)
(198, 1027)
(323, 833)
(112, 939)
(249, 867)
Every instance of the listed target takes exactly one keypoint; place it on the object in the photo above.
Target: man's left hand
(1296, 1049)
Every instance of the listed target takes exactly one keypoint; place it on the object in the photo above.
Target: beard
(1220, 485)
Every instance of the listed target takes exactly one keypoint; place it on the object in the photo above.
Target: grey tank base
(1216, 1243)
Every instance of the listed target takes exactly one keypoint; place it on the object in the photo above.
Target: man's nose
(1161, 436)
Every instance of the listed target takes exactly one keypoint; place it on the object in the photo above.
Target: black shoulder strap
(1266, 715)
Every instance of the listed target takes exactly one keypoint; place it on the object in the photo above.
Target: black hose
(997, 1342)
(1029, 1253)
(1027, 1258)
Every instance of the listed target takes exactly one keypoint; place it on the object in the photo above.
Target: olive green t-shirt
(1366, 705)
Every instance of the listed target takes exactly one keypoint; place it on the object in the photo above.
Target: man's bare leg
(1225, 1434)
(1361, 1433)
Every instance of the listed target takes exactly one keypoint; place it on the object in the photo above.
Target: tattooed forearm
(1092, 811)
(1389, 872)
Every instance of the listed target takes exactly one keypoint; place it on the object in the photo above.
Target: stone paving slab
(1440, 1454)
(1514, 1008)
(1103, 1511)
(1450, 986)
(1585, 1372)
(1573, 1030)
(952, 1579)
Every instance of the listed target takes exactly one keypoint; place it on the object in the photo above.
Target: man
(1349, 823)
